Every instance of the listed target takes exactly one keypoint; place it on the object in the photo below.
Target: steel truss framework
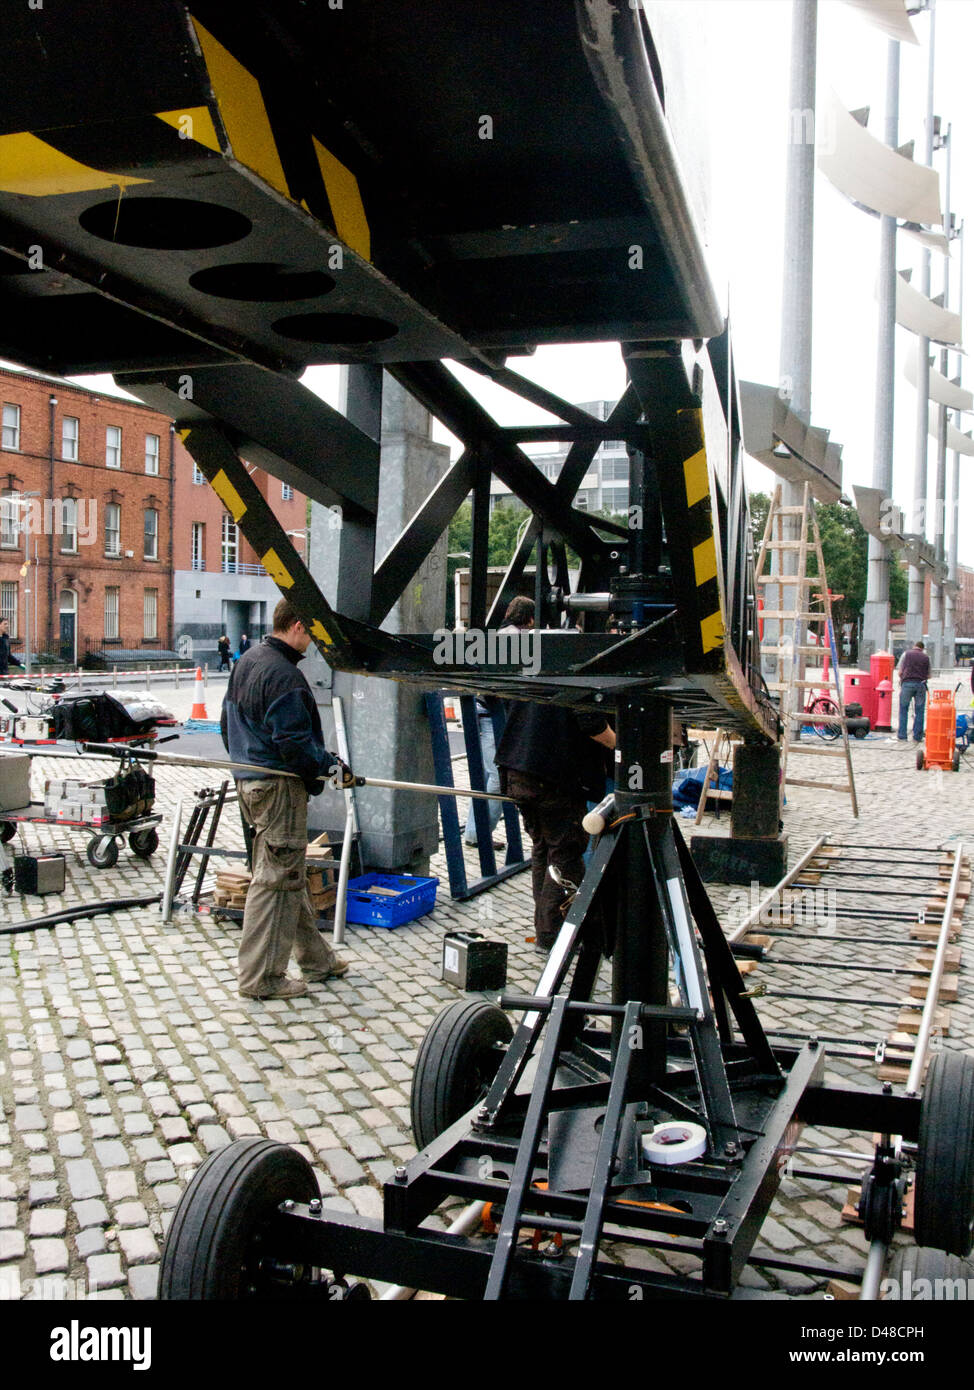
(205, 199)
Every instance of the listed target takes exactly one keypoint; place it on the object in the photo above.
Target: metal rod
(351, 821)
(779, 961)
(872, 1274)
(742, 927)
(224, 765)
(70, 914)
(933, 988)
(167, 896)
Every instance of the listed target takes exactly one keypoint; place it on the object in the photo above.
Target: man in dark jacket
(551, 762)
(270, 718)
(914, 672)
(7, 658)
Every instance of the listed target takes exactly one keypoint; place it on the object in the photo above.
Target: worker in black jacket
(552, 761)
(270, 718)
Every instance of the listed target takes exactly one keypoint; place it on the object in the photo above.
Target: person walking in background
(7, 658)
(244, 645)
(914, 672)
(223, 647)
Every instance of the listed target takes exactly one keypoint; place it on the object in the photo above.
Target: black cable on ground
(69, 914)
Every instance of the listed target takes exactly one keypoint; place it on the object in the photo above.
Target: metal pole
(351, 827)
(876, 613)
(933, 988)
(950, 630)
(795, 356)
(743, 926)
(918, 519)
(939, 519)
(171, 857)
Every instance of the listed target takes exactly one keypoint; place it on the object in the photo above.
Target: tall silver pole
(953, 522)
(918, 519)
(938, 659)
(875, 625)
(795, 358)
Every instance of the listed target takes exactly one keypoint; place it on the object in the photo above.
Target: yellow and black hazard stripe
(700, 526)
(249, 509)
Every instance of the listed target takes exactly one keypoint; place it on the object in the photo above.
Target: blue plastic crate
(414, 898)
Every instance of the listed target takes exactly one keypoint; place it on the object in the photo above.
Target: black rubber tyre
(457, 1062)
(955, 765)
(823, 705)
(943, 1209)
(8, 830)
(920, 760)
(102, 852)
(859, 733)
(144, 843)
(920, 1262)
(214, 1245)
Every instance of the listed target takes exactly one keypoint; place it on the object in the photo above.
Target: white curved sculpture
(921, 316)
(871, 173)
(957, 442)
(888, 15)
(942, 389)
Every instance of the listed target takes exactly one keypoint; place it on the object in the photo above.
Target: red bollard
(884, 707)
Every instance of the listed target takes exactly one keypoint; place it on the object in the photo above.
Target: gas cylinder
(884, 706)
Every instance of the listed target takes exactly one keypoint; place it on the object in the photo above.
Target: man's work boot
(335, 972)
(282, 988)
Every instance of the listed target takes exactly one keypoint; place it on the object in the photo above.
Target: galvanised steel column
(917, 520)
(875, 625)
(938, 658)
(953, 518)
(795, 359)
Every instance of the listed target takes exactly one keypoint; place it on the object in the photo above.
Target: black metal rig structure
(205, 199)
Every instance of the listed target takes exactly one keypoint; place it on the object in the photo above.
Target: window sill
(151, 559)
(113, 555)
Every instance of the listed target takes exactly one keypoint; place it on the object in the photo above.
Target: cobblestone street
(127, 1055)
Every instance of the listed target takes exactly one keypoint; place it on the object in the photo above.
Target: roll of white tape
(675, 1142)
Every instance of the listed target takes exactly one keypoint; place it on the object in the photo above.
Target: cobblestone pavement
(126, 1055)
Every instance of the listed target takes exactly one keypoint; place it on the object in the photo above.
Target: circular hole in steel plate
(335, 328)
(165, 224)
(261, 281)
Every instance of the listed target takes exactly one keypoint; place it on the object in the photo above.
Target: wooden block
(930, 931)
(909, 1021)
(892, 1071)
(951, 957)
(840, 1291)
(947, 993)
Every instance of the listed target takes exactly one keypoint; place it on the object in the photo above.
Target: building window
(111, 613)
(198, 475)
(9, 605)
(198, 545)
(230, 544)
(151, 547)
(113, 446)
(69, 438)
(113, 528)
(583, 501)
(9, 530)
(150, 614)
(615, 470)
(69, 526)
(152, 454)
(287, 492)
(11, 427)
(615, 499)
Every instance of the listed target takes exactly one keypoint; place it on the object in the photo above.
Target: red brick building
(86, 545)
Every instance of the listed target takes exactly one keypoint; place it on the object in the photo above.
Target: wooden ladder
(809, 591)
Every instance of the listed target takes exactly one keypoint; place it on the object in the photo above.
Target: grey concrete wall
(387, 726)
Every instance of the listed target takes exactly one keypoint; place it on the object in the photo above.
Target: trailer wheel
(920, 761)
(144, 843)
(955, 765)
(914, 1263)
(102, 852)
(457, 1061)
(943, 1211)
(8, 830)
(216, 1245)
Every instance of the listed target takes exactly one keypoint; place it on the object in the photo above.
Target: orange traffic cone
(199, 699)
